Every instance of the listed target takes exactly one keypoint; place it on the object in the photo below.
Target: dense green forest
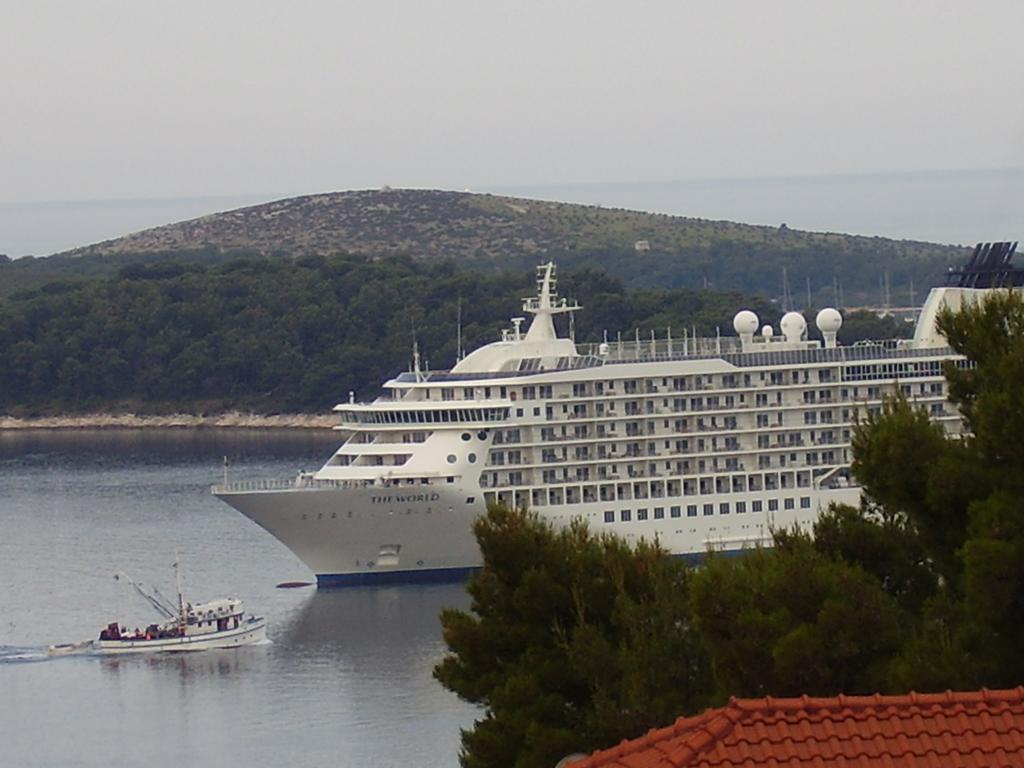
(575, 640)
(274, 335)
(834, 274)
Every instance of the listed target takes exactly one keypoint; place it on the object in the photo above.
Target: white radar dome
(793, 326)
(745, 322)
(767, 332)
(829, 320)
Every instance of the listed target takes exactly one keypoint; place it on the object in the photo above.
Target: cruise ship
(702, 444)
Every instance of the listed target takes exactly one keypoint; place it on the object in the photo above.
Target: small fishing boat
(219, 623)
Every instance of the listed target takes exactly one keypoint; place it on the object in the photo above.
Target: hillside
(461, 225)
(491, 232)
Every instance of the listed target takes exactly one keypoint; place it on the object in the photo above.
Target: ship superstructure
(699, 443)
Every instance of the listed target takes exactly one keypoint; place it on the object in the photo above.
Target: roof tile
(969, 729)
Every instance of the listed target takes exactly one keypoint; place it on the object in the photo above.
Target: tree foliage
(273, 335)
(792, 620)
(571, 640)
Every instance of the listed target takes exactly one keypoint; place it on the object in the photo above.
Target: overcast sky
(112, 99)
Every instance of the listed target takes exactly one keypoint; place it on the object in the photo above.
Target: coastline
(229, 420)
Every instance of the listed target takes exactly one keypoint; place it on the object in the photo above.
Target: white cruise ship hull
(369, 535)
(383, 535)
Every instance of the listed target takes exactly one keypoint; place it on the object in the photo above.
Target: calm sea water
(345, 681)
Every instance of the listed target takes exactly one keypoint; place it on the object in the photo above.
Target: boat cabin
(215, 616)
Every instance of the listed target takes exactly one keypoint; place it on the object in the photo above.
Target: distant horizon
(958, 206)
(484, 188)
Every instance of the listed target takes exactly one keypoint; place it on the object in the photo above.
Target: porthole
(419, 562)
(482, 434)
(451, 458)
(472, 458)
(466, 437)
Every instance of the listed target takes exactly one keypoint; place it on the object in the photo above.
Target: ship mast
(545, 305)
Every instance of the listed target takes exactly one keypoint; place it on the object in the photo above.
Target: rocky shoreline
(230, 420)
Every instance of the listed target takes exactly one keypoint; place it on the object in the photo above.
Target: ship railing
(302, 482)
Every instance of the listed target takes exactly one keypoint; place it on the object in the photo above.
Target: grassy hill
(491, 232)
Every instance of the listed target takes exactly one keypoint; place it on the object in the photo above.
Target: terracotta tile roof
(983, 729)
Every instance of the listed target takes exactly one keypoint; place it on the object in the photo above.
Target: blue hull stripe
(420, 576)
(443, 575)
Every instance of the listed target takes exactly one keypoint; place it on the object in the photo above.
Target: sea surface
(956, 206)
(344, 681)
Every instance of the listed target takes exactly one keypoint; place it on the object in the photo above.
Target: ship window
(805, 502)
(723, 508)
(609, 516)
(472, 458)
(691, 510)
(756, 506)
(787, 503)
(641, 514)
(741, 507)
(773, 505)
(451, 458)
(470, 499)
(625, 515)
(709, 509)
(659, 513)
(676, 511)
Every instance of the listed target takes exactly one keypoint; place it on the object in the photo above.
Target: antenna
(458, 343)
(177, 580)
(416, 358)
(808, 279)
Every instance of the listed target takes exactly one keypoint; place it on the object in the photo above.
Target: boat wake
(14, 654)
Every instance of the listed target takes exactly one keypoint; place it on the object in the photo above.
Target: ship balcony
(303, 482)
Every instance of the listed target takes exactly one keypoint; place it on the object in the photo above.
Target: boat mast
(160, 606)
(177, 579)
